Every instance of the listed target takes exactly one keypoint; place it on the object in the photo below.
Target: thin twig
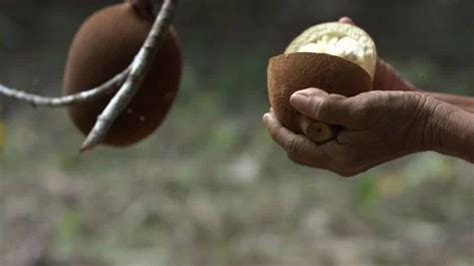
(81, 97)
(139, 68)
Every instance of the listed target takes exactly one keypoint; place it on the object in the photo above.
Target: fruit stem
(146, 8)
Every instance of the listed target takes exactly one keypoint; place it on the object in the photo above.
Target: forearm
(464, 102)
(399, 84)
(452, 132)
(387, 79)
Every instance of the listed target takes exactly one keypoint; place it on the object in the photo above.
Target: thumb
(328, 108)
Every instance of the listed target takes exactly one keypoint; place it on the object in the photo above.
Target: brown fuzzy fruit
(335, 57)
(105, 45)
(289, 73)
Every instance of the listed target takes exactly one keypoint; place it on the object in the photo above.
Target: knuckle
(363, 105)
(316, 92)
(293, 148)
(304, 160)
(361, 111)
(314, 105)
(350, 168)
(329, 104)
(354, 171)
(272, 133)
(345, 166)
(275, 132)
(347, 173)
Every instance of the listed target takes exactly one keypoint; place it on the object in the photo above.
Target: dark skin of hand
(392, 121)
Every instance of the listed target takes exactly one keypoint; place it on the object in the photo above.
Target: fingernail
(299, 99)
(347, 20)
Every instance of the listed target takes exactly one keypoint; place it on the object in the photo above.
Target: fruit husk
(105, 45)
(288, 73)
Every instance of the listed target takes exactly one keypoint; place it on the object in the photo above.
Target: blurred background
(210, 187)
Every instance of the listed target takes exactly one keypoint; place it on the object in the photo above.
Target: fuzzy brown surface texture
(105, 45)
(288, 73)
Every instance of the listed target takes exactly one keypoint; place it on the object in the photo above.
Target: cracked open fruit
(105, 45)
(336, 57)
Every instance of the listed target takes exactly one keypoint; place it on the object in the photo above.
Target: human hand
(377, 126)
(386, 78)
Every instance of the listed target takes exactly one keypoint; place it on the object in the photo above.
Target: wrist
(449, 130)
(387, 78)
(466, 103)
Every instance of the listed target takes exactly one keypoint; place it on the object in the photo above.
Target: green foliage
(365, 193)
(68, 230)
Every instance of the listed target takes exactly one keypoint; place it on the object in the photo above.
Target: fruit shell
(105, 45)
(288, 73)
(368, 57)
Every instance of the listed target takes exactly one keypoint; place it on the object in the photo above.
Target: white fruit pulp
(341, 46)
(339, 39)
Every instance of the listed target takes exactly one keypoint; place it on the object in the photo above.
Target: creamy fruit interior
(340, 39)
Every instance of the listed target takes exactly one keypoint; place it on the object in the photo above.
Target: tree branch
(139, 68)
(81, 97)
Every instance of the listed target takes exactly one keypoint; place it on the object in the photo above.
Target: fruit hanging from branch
(337, 57)
(106, 44)
(119, 29)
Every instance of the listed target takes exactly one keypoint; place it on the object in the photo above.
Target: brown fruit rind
(105, 45)
(288, 73)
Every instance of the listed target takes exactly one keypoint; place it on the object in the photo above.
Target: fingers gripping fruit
(336, 57)
(105, 45)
